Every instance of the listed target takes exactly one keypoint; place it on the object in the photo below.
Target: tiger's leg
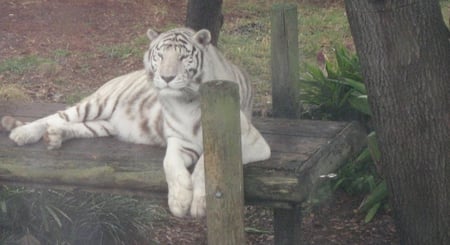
(32, 132)
(198, 205)
(28, 133)
(56, 134)
(254, 146)
(176, 161)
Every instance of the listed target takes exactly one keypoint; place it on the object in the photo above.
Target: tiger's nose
(168, 79)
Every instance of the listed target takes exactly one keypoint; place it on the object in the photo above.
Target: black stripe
(106, 130)
(91, 129)
(99, 112)
(63, 115)
(144, 126)
(115, 104)
(87, 108)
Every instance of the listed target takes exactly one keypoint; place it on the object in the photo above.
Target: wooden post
(286, 224)
(285, 101)
(223, 162)
(284, 60)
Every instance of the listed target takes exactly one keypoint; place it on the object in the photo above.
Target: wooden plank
(107, 164)
(223, 163)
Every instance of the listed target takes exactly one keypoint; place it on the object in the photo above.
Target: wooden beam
(301, 151)
(286, 224)
(223, 162)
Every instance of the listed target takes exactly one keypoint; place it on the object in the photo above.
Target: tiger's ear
(203, 37)
(151, 34)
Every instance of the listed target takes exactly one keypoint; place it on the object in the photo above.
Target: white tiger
(159, 105)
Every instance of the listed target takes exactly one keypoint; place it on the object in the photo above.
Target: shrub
(337, 92)
(59, 217)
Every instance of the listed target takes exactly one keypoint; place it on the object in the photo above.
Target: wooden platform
(301, 151)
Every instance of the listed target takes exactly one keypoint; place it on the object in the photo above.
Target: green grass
(125, 50)
(59, 53)
(59, 217)
(21, 65)
(322, 29)
(246, 40)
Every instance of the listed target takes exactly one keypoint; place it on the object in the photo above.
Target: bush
(337, 92)
(58, 217)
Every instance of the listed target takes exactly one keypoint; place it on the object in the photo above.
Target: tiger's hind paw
(53, 137)
(25, 134)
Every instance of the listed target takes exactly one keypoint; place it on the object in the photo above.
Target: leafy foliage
(338, 93)
(57, 217)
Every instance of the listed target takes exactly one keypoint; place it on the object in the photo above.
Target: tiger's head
(175, 59)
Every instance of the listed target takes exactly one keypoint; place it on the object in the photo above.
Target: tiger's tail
(9, 123)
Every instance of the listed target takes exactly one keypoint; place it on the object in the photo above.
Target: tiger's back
(135, 109)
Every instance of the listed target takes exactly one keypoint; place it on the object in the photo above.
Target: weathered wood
(284, 60)
(301, 151)
(286, 224)
(223, 162)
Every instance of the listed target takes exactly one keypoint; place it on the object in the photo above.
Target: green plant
(338, 92)
(58, 217)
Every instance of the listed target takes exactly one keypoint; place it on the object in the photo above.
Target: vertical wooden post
(223, 162)
(285, 101)
(286, 224)
(284, 60)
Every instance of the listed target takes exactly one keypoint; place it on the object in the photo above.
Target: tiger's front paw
(180, 196)
(25, 134)
(53, 137)
(198, 206)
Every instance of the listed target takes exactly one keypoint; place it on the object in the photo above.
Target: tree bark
(404, 51)
(205, 14)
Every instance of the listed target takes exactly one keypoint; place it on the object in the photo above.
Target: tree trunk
(205, 14)
(404, 51)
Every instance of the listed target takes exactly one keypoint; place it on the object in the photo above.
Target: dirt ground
(72, 32)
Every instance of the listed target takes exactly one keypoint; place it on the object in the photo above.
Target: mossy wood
(302, 150)
(223, 162)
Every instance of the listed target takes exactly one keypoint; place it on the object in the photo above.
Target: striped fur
(159, 105)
